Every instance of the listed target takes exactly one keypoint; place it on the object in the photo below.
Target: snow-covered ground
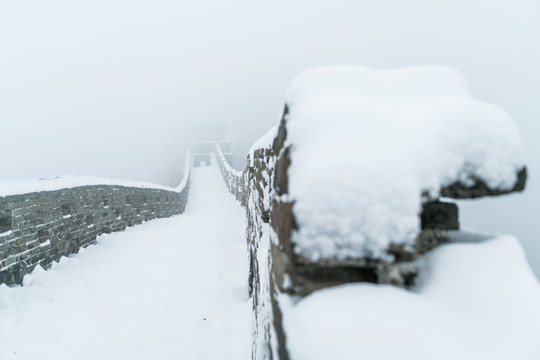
(476, 301)
(169, 289)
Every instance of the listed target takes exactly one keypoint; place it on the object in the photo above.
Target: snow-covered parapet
(367, 147)
(348, 189)
(234, 179)
(42, 220)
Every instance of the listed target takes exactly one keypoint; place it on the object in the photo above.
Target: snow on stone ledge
(366, 144)
(480, 301)
(264, 142)
(25, 186)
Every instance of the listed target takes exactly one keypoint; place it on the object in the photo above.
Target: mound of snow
(480, 301)
(366, 144)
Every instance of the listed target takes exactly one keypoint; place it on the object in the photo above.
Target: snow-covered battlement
(350, 189)
(372, 143)
(42, 220)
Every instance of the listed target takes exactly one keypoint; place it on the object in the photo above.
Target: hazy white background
(102, 87)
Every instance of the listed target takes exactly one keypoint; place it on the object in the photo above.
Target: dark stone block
(479, 188)
(6, 221)
(440, 215)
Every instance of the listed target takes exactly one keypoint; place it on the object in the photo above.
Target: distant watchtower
(201, 139)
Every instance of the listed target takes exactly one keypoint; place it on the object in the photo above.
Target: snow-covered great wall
(44, 219)
(353, 236)
(354, 241)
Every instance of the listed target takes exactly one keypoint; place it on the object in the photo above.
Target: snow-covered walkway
(169, 289)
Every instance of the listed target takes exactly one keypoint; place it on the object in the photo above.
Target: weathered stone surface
(440, 215)
(479, 188)
(5, 220)
(429, 239)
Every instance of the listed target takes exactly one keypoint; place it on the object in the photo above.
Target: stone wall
(277, 270)
(234, 180)
(252, 187)
(41, 227)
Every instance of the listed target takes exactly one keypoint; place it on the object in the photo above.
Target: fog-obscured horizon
(104, 87)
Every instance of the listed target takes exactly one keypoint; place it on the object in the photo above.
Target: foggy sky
(102, 87)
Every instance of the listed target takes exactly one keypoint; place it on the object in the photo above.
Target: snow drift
(476, 301)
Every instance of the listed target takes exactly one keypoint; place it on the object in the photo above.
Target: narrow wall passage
(170, 289)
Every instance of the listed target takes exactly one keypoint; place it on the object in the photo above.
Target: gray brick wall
(41, 227)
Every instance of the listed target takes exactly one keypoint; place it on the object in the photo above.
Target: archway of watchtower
(201, 160)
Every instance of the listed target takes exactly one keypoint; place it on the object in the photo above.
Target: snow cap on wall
(366, 144)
